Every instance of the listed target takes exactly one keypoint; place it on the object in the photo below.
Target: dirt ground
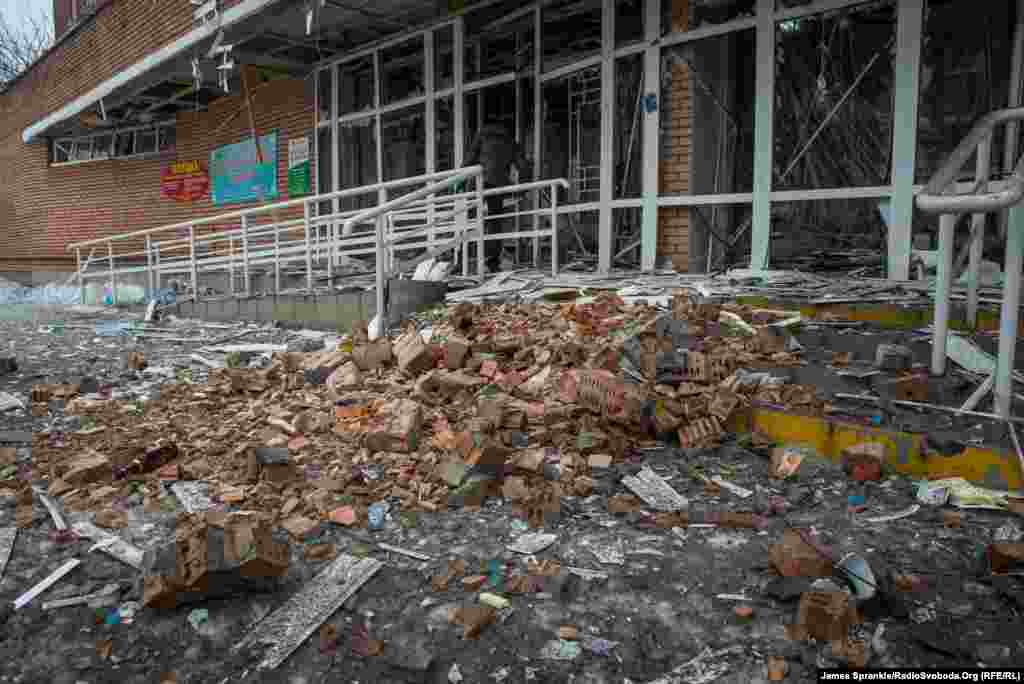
(668, 595)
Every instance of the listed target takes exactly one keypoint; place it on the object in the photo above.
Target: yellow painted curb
(904, 452)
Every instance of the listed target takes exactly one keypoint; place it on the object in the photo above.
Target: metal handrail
(244, 213)
(934, 200)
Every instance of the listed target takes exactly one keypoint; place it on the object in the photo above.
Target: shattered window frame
(66, 150)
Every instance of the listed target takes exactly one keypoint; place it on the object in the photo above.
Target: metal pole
(81, 279)
(192, 259)
(309, 253)
(1010, 312)
(1013, 97)
(156, 265)
(231, 265)
(538, 124)
(330, 254)
(947, 222)
(978, 233)
(277, 260)
(651, 125)
(382, 325)
(605, 228)
(149, 266)
(461, 226)
(480, 219)
(554, 230)
(245, 253)
(113, 275)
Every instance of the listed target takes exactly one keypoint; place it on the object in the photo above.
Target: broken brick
(373, 355)
(795, 557)
(86, 469)
(414, 356)
(396, 427)
(456, 351)
(300, 526)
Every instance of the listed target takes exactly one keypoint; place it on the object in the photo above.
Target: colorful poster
(238, 175)
(298, 166)
(185, 181)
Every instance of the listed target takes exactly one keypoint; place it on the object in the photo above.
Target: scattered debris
(289, 626)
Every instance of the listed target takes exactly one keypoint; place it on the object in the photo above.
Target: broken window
(572, 131)
(146, 141)
(571, 31)
(717, 235)
(444, 58)
(962, 79)
(444, 145)
(61, 151)
(355, 86)
(357, 161)
(499, 40)
(707, 116)
(83, 149)
(124, 144)
(404, 145)
(840, 235)
(401, 71)
(629, 22)
(834, 99)
(678, 16)
(324, 177)
(626, 230)
(166, 139)
(324, 94)
(629, 129)
(101, 146)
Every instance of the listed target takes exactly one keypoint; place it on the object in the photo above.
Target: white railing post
(231, 265)
(480, 218)
(277, 260)
(554, 229)
(156, 265)
(81, 276)
(461, 226)
(113, 275)
(943, 287)
(1008, 317)
(149, 266)
(192, 260)
(382, 322)
(978, 233)
(309, 248)
(329, 227)
(245, 253)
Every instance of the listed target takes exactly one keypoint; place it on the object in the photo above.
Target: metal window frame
(74, 141)
(764, 23)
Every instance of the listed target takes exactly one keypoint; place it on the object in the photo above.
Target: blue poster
(237, 176)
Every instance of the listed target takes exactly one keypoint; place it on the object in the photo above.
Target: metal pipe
(977, 234)
(149, 266)
(309, 252)
(245, 253)
(277, 262)
(931, 407)
(192, 259)
(382, 327)
(554, 231)
(1010, 311)
(81, 280)
(981, 130)
(947, 222)
(1013, 97)
(480, 220)
(113, 275)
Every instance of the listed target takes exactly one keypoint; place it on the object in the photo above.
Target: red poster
(185, 181)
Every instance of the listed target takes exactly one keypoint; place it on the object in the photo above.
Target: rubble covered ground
(552, 492)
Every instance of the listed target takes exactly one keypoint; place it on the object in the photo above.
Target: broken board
(283, 631)
(654, 491)
(111, 544)
(7, 537)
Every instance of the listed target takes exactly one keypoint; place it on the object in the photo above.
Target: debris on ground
(551, 466)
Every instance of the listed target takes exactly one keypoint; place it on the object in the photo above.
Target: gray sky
(16, 11)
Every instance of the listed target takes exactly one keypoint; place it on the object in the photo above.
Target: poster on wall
(298, 166)
(237, 175)
(185, 181)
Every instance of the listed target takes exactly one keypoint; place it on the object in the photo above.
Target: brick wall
(674, 164)
(45, 207)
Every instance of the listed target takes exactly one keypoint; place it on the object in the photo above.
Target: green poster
(298, 166)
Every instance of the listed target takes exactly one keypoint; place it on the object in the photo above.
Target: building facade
(692, 132)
